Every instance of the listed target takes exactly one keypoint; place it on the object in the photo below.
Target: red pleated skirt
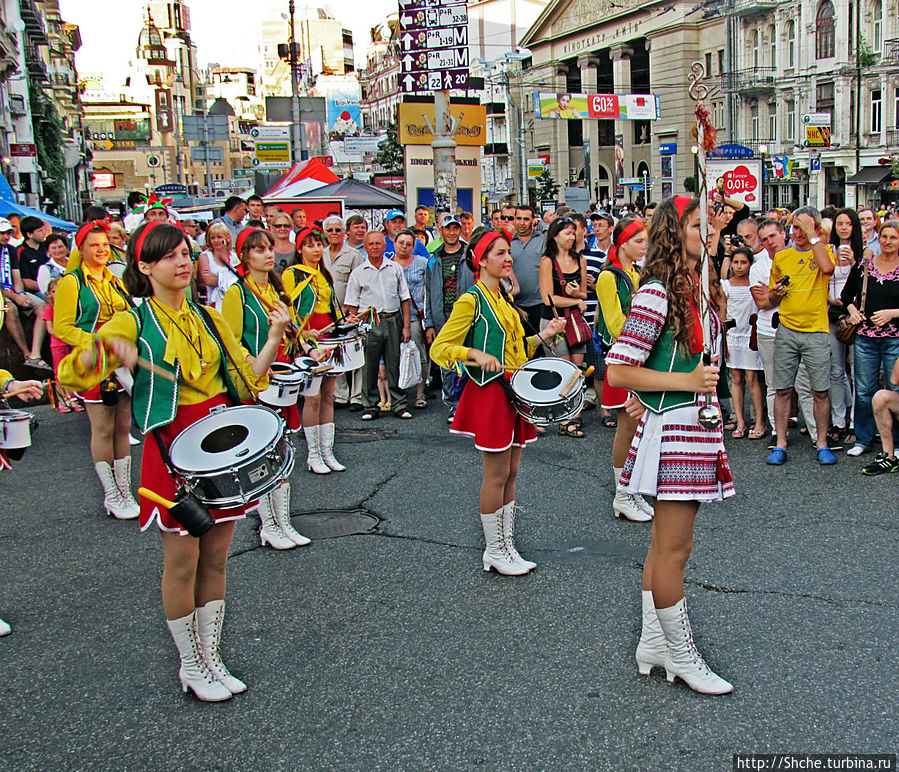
(486, 414)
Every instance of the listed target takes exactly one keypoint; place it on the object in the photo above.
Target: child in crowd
(66, 402)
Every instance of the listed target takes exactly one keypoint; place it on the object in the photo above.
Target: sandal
(421, 403)
(37, 363)
(757, 434)
(739, 434)
(730, 426)
(609, 421)
(571, 429)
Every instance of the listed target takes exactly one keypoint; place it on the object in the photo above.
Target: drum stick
(569, 384)
(507, 368)
(168, 376)
(21, 391)
(156, 498)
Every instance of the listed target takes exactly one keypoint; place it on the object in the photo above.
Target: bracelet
(6, 384)
(540, 338)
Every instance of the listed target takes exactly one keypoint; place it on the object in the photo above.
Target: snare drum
(313, 381)
(285, 383)
(15, 429)
(536, 387)
(233, 456)
(349, 353)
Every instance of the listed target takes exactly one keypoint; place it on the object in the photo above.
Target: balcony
(753, 80)
(893, 138)
(496, 148)
(495, 108)
(33, 20)
(750, 7)
(890, 53)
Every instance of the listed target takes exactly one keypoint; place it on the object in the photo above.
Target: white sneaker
(132, 440)
(856, 450)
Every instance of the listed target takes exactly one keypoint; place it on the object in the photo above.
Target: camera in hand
(737, 241)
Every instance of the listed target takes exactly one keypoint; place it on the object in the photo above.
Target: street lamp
(763, 151)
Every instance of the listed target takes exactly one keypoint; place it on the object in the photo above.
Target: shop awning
(870, 175)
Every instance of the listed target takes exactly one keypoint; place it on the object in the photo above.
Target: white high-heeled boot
(509, 536)
(209, 635)
(326, 446)
(644, 505)
(314, 462)
(625, 505)
(5, 629)
(270, 533)
(194, 673)
(122, 471)
(652, 648)
(683, 660)
(280, 497)
(112, 496)
(496, 555)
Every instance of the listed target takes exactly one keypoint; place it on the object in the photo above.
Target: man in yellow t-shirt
(798, 288)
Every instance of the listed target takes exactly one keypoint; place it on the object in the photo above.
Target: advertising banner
(415, 117)
(740, 180)
(619, 107)
(342, 108)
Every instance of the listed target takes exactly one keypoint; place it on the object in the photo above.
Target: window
(791, 44)
(790, 122)
(772, 121)
(720, 61)
(876, 111)
(755, 122)
(754, 48)
(896, 108)
(877, 36)
(772, 41)
(824, 31)
(824, 98)
(708, 65)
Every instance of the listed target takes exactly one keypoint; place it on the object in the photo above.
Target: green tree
(547, 187)
(391, 155)
(48, 139)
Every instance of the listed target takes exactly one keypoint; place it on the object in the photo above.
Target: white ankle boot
(625, 504)
(497, 555)
(112, 496)
(509, 536)
(683, 660)
(314, 462)
(644, 505)
(270, 533)
(652, 648)
(326, 446)
(194, 673)
(122, 470)
(5, 629)
(280, 497)
(209, 635)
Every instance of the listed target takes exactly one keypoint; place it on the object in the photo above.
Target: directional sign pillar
(444, 147)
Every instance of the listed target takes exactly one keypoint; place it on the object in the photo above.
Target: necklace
(203, 363)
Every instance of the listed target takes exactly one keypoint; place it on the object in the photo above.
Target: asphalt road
(391, 649)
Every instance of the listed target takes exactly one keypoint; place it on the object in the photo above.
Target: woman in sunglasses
(282, 228)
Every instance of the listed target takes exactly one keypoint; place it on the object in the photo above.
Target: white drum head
(306, 363)
(225, 438)
(540, 380)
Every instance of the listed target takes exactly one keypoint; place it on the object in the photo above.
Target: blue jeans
(872, 356)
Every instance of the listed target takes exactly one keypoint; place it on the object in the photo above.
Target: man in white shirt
(378, 292)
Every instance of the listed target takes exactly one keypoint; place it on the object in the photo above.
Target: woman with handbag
(615, 286)
(871, 297)
(563, 285)
(658, 356)
(194, 346)
(485, 412)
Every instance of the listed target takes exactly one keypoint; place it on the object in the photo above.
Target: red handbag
(577, 331)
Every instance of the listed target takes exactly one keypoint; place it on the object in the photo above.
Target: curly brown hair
(666, 261)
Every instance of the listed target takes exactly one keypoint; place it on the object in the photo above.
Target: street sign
(412, 5)
(817, 136)
(668, 148)
(445, 59)
(243, 172)
(357, 145)
(272, 152)
(172, 189)
(22, 150)
(260, 165)
(270, 132)
(214, 154)
(816, 119)
(216, 128)
(442, 37)
(429, 18)
(414, 82)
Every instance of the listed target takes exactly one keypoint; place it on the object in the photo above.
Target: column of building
(588, 66)
(621, 76)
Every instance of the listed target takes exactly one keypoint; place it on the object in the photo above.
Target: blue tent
(9, 206)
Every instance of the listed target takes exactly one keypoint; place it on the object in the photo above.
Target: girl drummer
(87, 297)
(204, 363)
(313, 306)
(246, 308)
(615, 286)
(485, 314)
(673, 457)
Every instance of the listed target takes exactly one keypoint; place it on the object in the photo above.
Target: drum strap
(217, 335)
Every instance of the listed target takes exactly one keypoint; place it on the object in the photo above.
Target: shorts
(791, 348)
(559, 346)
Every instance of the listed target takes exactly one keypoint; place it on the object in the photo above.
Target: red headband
(626, 235)
(681, 203)
(242, 238)
(304, 233)
(139, 244)
(482, 246)
(90, 227)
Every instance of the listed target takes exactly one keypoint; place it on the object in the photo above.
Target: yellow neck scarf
(184, 342)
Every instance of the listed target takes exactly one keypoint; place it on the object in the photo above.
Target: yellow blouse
(609, 305)
(448, 347)
(232, 305)
(319, 284)
(73, 375)
(5, 375)
(65, 307)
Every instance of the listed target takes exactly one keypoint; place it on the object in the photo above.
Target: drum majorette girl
(658, 356)
(188, 346)
(246, 308)
(87, 297)
(485, 328)
(313, 306)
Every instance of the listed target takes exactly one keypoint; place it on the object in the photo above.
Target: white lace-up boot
(270, 533)
(122, 471)
(683, 660)
(314, 462)
(194, 673)
(509, 536)
(644, 505)
(112, 496)
(280, 497)
(326, 446)
(5, 629)
(625, 505)
(497, 555)
(652, 648)
(209, 635)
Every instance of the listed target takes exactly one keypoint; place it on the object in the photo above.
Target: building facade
(379, 80)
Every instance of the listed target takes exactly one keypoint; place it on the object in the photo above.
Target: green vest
(154, 400)
(625, 293)
(255, 321)
(668, 356)
(88, 309)
(485, 334)
(306, 300)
